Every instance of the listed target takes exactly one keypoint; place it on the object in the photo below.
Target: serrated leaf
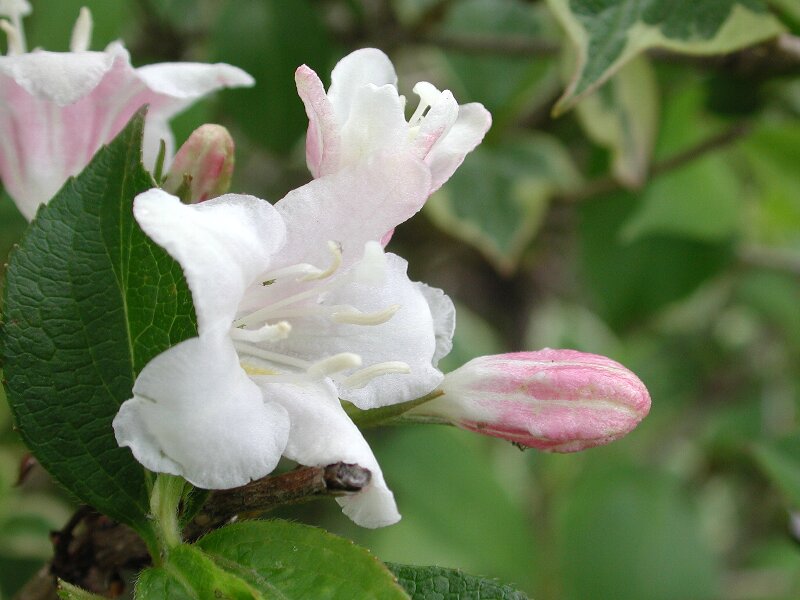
(190, 573)
(608, 33)
(701, 200)
(622, 116)
(780, 461)
(89, 300)
(498, 197)
(434, 583)
(299, 561)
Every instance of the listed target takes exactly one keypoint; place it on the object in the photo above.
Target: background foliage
(656, 221)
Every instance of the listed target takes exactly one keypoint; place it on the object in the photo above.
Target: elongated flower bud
(554, 400)
(203, 166)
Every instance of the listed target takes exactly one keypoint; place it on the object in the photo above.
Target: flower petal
(221, 244)
(322, 138)
(322, 434)
(444, 319)
(352, 206)
(376, 124)
(439, 119)
(195, 413)
(409, 336)
(189, 81)
(449, 151)
(60, 77)
(357, 69)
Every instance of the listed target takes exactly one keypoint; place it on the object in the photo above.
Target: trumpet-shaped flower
(297, 306)
(58, 108)
(362, 112)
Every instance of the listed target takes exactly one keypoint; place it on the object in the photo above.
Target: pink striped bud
(554, 400)
(203, 166)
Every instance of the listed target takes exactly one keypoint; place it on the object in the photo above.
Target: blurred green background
(658, 223)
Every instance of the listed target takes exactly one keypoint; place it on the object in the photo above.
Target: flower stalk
(165, 502)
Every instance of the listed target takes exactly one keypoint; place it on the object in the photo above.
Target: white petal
(437, 123)
(322, 434)
(357, 69)
(444, 319)
(352, 206)
(376, 124)
(449, 151)
(222, 245)
(189, 81)
(60, 77)
(195, 413)
(322, 139)
(408, 337)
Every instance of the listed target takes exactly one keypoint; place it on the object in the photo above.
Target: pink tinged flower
(58, 108)
(362, 112)
(553, 400)
(297, 306)
(203, 167)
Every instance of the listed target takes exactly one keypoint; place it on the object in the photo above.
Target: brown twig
(93, 552)
(770, 258)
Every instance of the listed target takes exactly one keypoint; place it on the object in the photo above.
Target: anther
(361, 378)
(267, 333)
(82, 32)
(336, 251)
(356, 317)
(334, 364)
(15, 43)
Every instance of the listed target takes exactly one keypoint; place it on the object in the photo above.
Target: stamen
(371, 269)
(356, 317)
(267, 333)
(15, 10)
(16, 44)
(336, 250)
(301, 269)
(82, 32)
(361, 378)
(254, 371)
(276, 357)
(334, 364)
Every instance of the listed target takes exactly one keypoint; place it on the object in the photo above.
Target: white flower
(58, 108)
(297, 306)
(362, 113)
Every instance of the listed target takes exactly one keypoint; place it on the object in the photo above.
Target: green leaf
(630, 534)
(780, 461)
(298, 561)
(506, 85)
(190, 573)
(434, 583)
(772, 156)
(497, 199)
(269, 39)
(89, 300)
(701, 200)
(629, 281)
(608, 33)
(622, 116)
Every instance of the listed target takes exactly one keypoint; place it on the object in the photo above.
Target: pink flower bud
(554, 400)
(203, 166)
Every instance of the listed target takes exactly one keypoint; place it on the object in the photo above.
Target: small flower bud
(203, 166)
(553, 400)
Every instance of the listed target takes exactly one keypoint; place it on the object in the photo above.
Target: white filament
(361, 378)
(82, 32)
